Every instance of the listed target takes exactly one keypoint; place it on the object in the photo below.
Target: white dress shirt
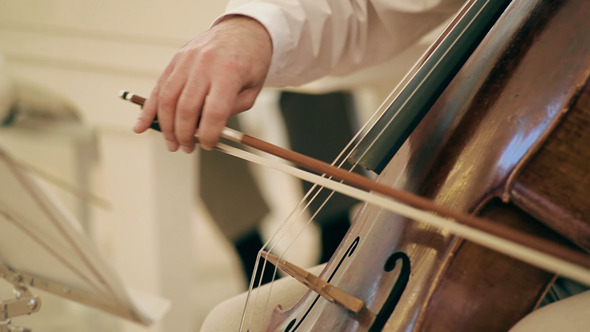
(306, 47)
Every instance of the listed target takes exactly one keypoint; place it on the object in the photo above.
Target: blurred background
(64, 62)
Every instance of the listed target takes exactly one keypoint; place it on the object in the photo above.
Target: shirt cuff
(273, 19)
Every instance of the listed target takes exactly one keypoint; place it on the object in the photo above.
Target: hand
(216, 75)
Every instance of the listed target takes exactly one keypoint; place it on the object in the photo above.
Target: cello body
(488, 146)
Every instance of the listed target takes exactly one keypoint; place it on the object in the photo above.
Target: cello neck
(418, 92)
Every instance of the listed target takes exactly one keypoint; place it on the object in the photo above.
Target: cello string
(287, 225)
(343, 156)
(425, 78)
(364, 152)
(311, 196)
(412, 72)
(417, 201)
(285, 228)
(403, 82)
(266, 301)
(248, 314)
(416, 90)
(511, 248)
(298, 212)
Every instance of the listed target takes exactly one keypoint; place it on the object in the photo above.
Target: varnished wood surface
(455, 301)
(502, 103)
(555, 185)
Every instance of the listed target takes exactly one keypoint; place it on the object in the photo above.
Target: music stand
(43, 247)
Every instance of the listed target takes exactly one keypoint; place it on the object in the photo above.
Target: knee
(571, 314)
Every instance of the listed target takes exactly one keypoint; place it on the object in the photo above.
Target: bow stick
(528, 248)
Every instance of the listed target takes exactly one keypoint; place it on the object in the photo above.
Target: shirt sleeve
(315, 38)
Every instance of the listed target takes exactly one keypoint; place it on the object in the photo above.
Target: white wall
(87, 51)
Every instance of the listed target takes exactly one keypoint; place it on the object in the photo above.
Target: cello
(479, 150)
(504, 141)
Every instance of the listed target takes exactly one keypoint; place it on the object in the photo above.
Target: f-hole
(351, 249)
(396, 291)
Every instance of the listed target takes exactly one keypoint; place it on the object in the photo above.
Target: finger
(149, 108)
(146, 116)
(188, 111)
(217, 108)
(167, 101)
